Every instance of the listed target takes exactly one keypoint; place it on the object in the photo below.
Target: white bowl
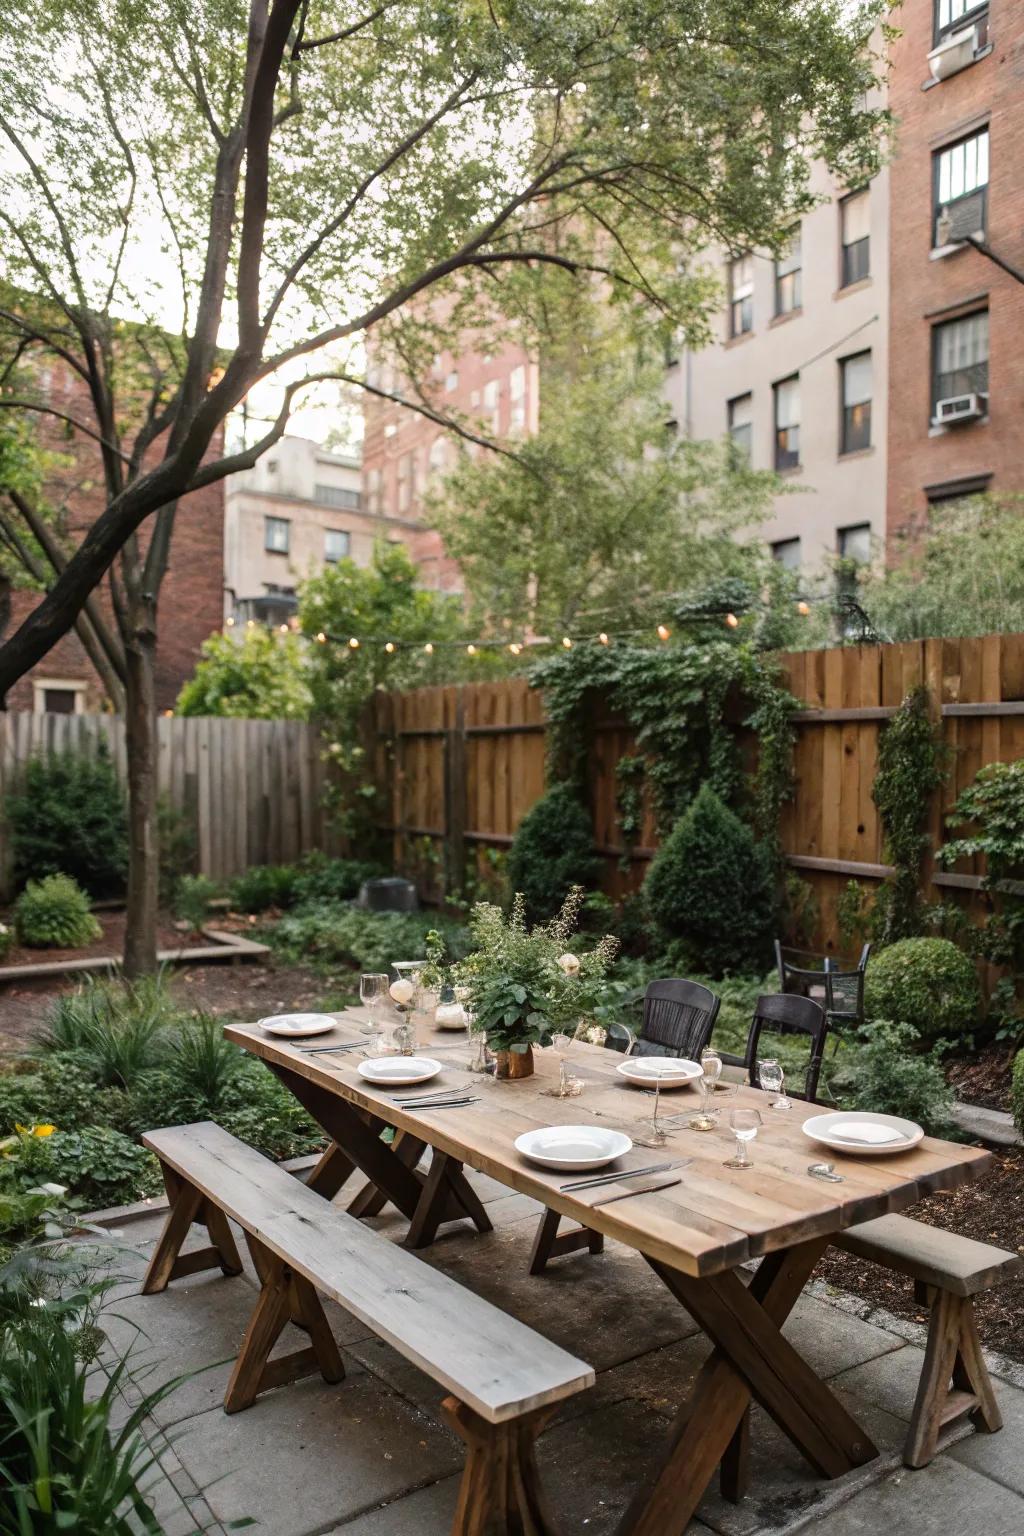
(668, 1071)
(297, 1025)
(571, 1147)
(866, 1134)
(399, 1069)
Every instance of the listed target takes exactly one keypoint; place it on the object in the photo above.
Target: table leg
(752, 1358)
(447, 1196)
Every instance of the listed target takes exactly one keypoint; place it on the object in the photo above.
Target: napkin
(867, 1131)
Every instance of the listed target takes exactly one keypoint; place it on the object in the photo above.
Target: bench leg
(188, 1205)
(500, 1493)
(550, 1244)
(284, 1297)
(954, 1379)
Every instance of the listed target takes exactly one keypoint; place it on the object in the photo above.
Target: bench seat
(947, 1271)
(504, 1378)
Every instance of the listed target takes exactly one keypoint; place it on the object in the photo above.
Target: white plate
(297, 1025)
(668, 1071)
(859, 1133)
(399, 1069)
(570, 1147)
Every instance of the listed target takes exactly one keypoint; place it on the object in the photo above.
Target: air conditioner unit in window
(954, 52)
(956, 409)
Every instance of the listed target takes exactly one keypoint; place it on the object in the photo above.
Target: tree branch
(301, 46)
(80, 426)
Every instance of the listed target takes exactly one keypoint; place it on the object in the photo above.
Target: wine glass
(373, 986)
(744, 1124)
(568, 1087)
(771, 1077)
(711, 1071)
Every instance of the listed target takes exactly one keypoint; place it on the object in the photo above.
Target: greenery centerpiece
(526, 985)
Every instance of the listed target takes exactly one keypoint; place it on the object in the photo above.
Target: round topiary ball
(927, 983)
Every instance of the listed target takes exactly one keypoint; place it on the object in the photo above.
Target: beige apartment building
(298, 510)
(797, 375)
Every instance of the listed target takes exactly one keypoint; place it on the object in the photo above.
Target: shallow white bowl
(571, 1147)
(297, 1025)
(829, 1131)
(399, 1069)
(668, 1071)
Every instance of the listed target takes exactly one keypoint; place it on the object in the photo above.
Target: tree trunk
(143, 849)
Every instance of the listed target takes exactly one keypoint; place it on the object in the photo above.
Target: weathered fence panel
(251, 791)
(461, 766)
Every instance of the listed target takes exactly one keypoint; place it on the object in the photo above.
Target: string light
(515, 648)
(663, 632)
(353, 644)
(471, 649)
(321, 638)
(603, 638)
(390, 647)
(283, 629)
(429, 648)
(731, 620)
(230, 621)
(803, 609)
(250, 623)
(567, 643)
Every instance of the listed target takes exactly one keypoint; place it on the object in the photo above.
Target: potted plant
(525, 985)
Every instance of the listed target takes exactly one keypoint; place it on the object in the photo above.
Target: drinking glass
(569, 1087)
(744, 1124)
(652, 1132)
(771, 1077)
(373, 987)
(711, 1068)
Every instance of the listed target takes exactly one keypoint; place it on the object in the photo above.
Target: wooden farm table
(694, 1235)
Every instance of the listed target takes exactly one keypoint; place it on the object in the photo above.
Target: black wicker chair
(798, 981)
(785, 1014)
(678, 1018)
(844, 992)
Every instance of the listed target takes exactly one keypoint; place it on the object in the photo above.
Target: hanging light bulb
(731, 620)
(321, 638)
(803, 609)
(663, 631)
(603, 638)
(429, 648)
(230, 622)
(390, 647)
(250, 623)
(567, 643)
(471, 649)
(515, 648)
(353, 644)
(282, 629)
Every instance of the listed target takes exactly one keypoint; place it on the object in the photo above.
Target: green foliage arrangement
(320, 878)
(68, 817)
(331, 934)
(911, 766)
(256, 673)
(891, 1074)
(193, 895)
(263, 886)
(102, 1167)
(630, 773)
(929, 984)
(525, 985)
(710, 885)
(114, 1031)
(54, 913)
(552, 851)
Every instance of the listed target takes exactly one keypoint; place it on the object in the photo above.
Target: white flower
(570, 964)
(53, 1189)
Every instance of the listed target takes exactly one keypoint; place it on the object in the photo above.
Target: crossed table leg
(751, 1360)
(443, 1194)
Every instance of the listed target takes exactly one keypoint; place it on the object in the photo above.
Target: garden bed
(983, 1077)
(174, 945)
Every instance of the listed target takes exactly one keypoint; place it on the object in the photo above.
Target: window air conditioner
(954, 53)
(956, 409)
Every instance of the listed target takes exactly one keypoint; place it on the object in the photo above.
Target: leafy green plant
(890, 1074)
(710, 885)
(1017, 1092)
(264, 886)
(552, 851)
(115, 1031)
(68, 817)
(101, 1166)
(853, 913)
(54, 913)
(204, 1063)
(320, 878)
(236, 1091)
(929, 984)
(176, 838)
(911, 766)
(192, 897)
(629, 803)
(8, 938)
(259, 674)
(332, 934)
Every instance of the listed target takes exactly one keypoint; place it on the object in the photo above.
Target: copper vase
(514, 1064)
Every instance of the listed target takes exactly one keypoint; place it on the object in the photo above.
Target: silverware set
(594, 1181)
(449, 1098)
(332, 1050)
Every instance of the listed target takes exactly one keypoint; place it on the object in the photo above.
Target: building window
(492, 405)
(786, 552)
(451, 383)
(741, 425)
(953, 491)
(787, 423)
(374, 498)
(856, 424)
(406, 481)
(58, 696)
(517, 399)
(741, 295)
(960, 357)
(437, 461)
(276, 535)
(961, 189)
(854, 549)
(336, 496)
(787, 279)
(855, 233)
(336, 545)
(951, 15)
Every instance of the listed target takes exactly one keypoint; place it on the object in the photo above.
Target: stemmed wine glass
(744, 1124)
(711, 1071)
(373, 986)
(771, 1077)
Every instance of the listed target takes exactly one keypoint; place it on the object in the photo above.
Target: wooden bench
(947, 1271)
(504, 1378)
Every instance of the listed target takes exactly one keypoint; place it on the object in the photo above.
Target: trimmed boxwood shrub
(68, 817)
(710, 885)
(929, 984)
(55, 914)
(552, 851)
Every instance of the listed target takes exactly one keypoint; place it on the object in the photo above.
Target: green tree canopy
(258, 674)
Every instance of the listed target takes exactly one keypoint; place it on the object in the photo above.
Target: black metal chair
(844, 991)
(678, 1018)
(786, 1014)
(799, 981)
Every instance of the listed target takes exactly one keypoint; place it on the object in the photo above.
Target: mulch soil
(991, 1211)
(984, 1077)
(110, 942)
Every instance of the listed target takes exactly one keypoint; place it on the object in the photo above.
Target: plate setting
(399, 1069)
(572, 1147)
(861, 1133)
(297, 1026)
(666, 1071)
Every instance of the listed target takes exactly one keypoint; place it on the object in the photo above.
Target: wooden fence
(250, 791)
(463, 765)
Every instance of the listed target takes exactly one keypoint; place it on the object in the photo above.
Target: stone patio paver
(941, 1498)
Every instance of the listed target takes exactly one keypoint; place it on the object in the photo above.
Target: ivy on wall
(911, 766)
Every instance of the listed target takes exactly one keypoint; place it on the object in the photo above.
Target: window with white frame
(960, 357)
(855, 430)
(786, 552)
(961, 189)
(952, 15)
(741, 295)
(740, 416)
(787, 422)
(58, 696)
(336, 545)
(336, 496)
(788, 295)
(276, 535)
(855, 235)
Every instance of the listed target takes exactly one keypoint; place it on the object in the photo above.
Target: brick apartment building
(191, 600)
(956, 386)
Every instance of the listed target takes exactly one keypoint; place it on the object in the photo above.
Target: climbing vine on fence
(911, 766)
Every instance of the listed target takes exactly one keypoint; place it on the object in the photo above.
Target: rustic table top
(713, 1220)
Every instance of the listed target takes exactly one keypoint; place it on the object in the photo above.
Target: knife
(645, 1189)
(574, 1185)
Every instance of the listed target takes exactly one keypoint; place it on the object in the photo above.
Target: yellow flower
(35, 1130)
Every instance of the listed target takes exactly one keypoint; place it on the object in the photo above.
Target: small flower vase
(449, 1014)
(512, 1065)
